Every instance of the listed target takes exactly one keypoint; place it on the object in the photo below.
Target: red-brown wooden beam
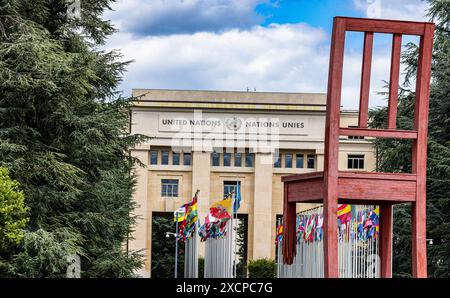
(393, 80)
(365, 80)
(305, 191)
(371, 189)
(419, 156)
(378, 133)
(330, 248)
(289, 228)
(385, 240)
(384, 26)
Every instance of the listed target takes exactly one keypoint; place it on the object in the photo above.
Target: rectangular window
(355, 137)
(288, 160)
(311, 161)
(299, 161)
(169, 188)
(187, 159)
(355, 161)
(238, 159)
(165, 157)
(226, 159)
(175, 158)
(277, 160)
(229, 187)
(215, 159)
(249, 158)
(153, 157)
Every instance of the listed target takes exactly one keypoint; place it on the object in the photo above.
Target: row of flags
(365, 225)
(215, 222)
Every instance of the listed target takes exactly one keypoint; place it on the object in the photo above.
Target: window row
(354, 161)
(169, 187)
(298, 159)
(176, 157)
(239, 158)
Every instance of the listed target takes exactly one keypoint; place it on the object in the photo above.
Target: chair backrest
(369, 27)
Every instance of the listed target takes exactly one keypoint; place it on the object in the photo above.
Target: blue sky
(314, 12)
(267, 45)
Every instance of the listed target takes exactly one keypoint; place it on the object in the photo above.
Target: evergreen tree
(12, 214)
(64, 136)
(395, 155)
(163, 248)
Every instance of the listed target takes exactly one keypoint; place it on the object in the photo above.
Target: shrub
(262, 268)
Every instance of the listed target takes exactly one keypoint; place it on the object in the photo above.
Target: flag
(279, 236)
(319, 227)
(191, 215)
(237, 198)
(301, 227)
(222, 209)
(344, 213)
(360, 228)
(181, 213)
(189, 218)
(309, 227)
(376, 220)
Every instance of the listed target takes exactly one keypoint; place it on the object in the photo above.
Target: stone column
(319, 160)
(141, 236)
(201, 176)
(262, 214)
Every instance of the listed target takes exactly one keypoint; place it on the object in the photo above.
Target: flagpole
(176, 243)
(232, 231)
(235, 254)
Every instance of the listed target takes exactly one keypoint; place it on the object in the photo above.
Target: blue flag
(237, 198)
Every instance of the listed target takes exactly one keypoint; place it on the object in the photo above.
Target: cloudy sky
(267, 45)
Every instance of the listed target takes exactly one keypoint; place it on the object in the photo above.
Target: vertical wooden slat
(386, 240)
(393, 80)
(332, 148)
(289, 227)
(365, 80)
(419, 158)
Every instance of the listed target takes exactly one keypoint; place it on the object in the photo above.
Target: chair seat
(353, 187)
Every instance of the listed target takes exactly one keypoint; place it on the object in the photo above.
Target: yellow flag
(225, 203)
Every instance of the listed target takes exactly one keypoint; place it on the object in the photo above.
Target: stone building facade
(211, 140)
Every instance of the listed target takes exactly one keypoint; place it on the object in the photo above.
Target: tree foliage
(163, 248)
(395, 155)
(13, 213)
(64, 137)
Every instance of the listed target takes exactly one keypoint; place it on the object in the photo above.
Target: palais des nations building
(212, 140)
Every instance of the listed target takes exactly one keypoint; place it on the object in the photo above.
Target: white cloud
(286, 58)
(412, 10)
(159, 17)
